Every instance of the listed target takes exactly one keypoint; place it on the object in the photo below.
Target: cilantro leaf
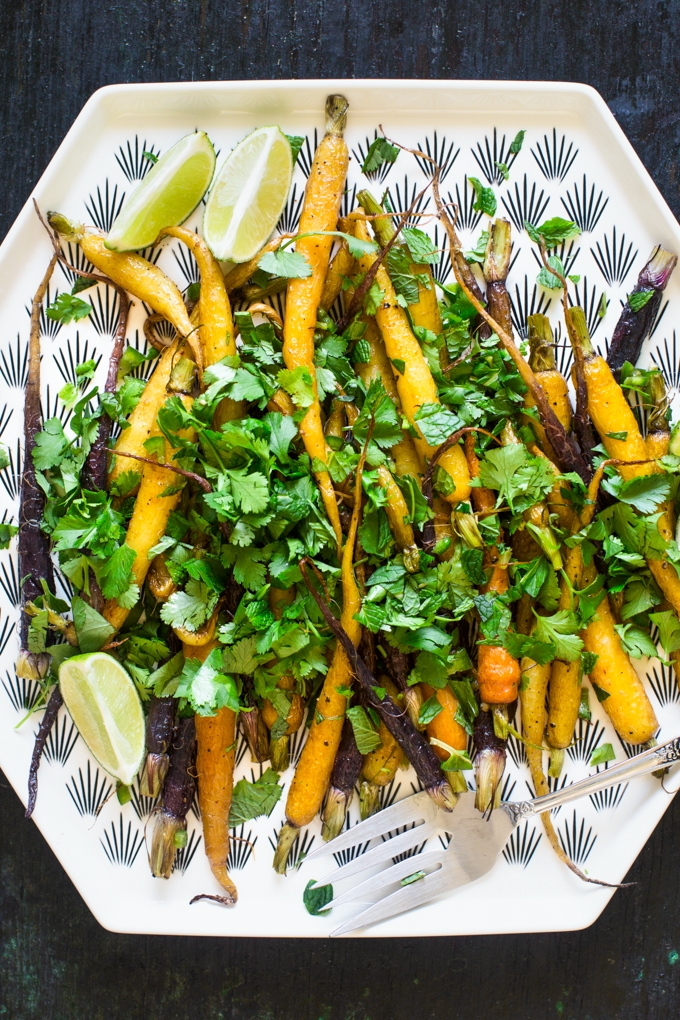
(380, 151)
(378, 408)
(251, 800)
(67, 308)
(132, 359)
(190, 608)
(458, 761)
(205, 686)
(282, 432)
(669, 630)
(518, 476)
(298, 383)
(485, 200)
(373, 298)
(552, 232)
(114, 575)
(249, 489)
(562, 630)
(7, 533)
(645, 492)
(50, 445)
(478, 253)
(241, 657)
(289, 264)
(365, 734)
(635, 640)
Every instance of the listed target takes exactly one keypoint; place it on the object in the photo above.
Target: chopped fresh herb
(516, 143)
(365, 734)
(602, 754)
(67, 308)
(553, 232)
(251, 800)
(430, 709)
(296, 142)
(288, 264)
(380, 151)
(584, 706)
(316, 897)
(485, 200)
(639, 298)
(600, 692)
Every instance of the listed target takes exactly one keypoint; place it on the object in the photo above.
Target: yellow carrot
(325, 185)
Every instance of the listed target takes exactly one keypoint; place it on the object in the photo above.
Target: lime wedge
(248, 195)
(167, 195)
(104, 704)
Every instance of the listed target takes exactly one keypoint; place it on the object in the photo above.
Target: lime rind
(248, 195)
(167, 195)
(103, 702)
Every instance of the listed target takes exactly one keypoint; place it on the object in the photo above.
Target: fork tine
(397, 902)
(384, 851)
(377, 883)
(403, 812)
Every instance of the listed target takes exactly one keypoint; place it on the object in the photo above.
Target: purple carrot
(412, 743)
(178, 794)
(489, 762)
(35, 562)
(96, 465)
(47, 722)
(640, 310)
(160, 723)
(344, 777)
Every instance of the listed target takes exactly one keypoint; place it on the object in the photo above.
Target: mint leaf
(132, 359)
(637, 300)
(429, 710)
(251, 800)
(516, 143)
(365, 734)
(485, 200)
(601, 754)
(436, 423)
(289, 264)
(296, 142)
(600, 692)
(315, 897)
(547, 279)
(421, 246)
(553, 232)
(92, 630)
(380, 410)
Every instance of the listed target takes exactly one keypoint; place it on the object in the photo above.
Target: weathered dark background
(56, 961)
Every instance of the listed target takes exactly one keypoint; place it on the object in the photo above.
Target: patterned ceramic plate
(575, 162)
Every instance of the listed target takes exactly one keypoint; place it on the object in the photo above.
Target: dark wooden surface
(56, 962)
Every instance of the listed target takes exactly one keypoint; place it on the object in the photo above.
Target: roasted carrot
(303, 297)
(178, 793)
(445, 726)
(380, 766)
(160, 723)
(341, 267)
(313, 771)
(415, 383)
(626, 704)
(611, 414)
(552, 382)
(135, 274)
(278, 747)
(633, 326)
(564, 693)
(496, 267)
(216, 752)
(344, 777)
(425, 311)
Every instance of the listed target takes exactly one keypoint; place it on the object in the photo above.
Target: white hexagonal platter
(574, 162)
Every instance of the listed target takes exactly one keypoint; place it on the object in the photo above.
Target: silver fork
(476, 841)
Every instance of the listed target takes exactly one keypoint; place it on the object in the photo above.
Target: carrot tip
(287, 837)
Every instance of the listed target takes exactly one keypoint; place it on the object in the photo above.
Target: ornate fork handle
(640, 765)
